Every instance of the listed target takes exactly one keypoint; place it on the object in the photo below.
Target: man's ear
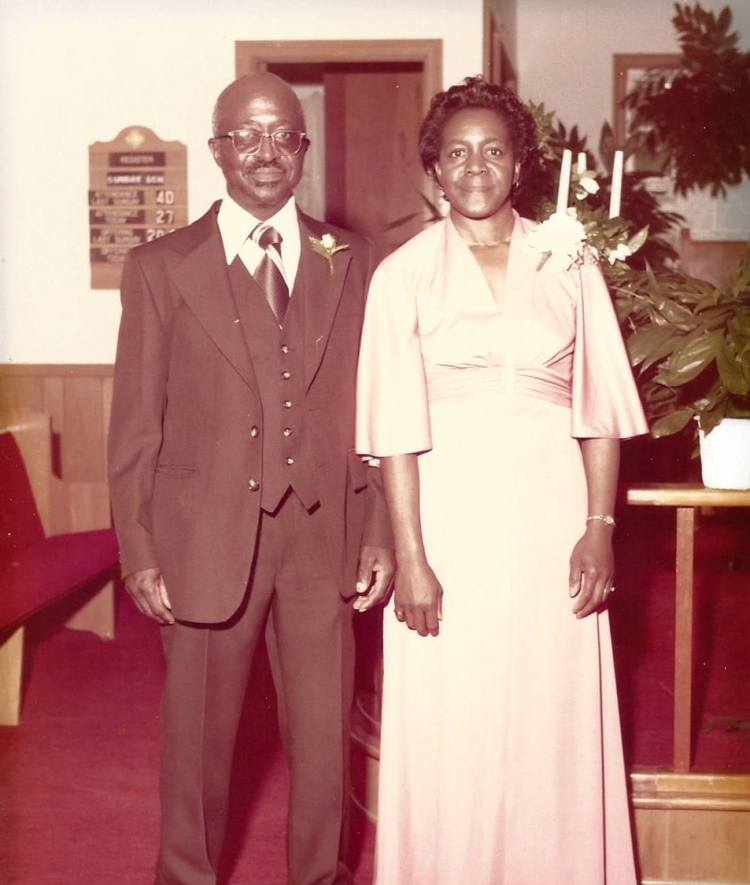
(215, 147)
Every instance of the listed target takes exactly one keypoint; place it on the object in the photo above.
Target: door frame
(256, 55)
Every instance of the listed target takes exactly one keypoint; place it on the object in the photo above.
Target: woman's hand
(418, 598)
(592, 569)
(418, 595)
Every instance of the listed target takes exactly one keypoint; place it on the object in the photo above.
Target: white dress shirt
(236, 224)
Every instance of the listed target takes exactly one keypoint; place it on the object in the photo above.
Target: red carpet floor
(78, 778)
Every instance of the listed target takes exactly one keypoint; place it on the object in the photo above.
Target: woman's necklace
(488, 245)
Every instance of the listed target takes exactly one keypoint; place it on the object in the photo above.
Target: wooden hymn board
(137, 192)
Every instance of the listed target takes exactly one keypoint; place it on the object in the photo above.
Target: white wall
(78, 72)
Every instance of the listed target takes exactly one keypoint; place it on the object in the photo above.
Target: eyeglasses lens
(285, 141)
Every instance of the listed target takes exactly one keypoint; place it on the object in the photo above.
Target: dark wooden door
(373, 174)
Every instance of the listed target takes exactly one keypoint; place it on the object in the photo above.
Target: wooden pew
(36, 569)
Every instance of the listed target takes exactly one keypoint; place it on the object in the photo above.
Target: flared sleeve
(392, 409)
(605, 398)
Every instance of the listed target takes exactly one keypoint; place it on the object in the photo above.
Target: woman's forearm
(417, 595)
(601, 463)
(401, 486)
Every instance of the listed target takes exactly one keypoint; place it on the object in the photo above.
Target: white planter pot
(725, 455)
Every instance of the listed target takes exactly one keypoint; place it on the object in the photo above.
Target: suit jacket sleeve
(135, 433)
(377, 529)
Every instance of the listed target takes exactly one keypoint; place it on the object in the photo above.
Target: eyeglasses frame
(230, 135)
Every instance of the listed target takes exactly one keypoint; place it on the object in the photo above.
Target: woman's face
(476, 165)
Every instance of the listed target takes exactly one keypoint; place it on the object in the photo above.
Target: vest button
(286, 375)
(287, 431)
(287, 404)
(253, 485)
(289, 461)
(284, 348)
(254, 431)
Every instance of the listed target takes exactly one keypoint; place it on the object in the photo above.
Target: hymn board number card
(137, 192)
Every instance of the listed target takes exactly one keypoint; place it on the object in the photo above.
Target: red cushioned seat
(35, 575)
(35, 570)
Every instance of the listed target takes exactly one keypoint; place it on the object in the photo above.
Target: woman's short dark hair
(476, 92)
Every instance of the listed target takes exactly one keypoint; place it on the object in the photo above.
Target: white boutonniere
(327, 246)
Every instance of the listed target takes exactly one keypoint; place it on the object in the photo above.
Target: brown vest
(278, 359)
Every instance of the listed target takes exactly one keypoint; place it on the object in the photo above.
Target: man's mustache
(259, 163)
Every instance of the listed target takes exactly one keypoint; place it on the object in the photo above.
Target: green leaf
(674, 422)
(637, 240)
(734, 375)
(648, 344)
(690, 360)
(675, 313)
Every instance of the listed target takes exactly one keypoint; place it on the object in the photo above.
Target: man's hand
(374, 576)
(150, 595)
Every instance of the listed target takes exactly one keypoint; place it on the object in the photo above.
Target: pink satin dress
(501, 757)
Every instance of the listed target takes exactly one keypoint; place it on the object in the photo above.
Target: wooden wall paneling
(715, 261)
(21, 392)
(77, 398)
(708, 847)
(651, 838)
(89, 506)
(83, 437)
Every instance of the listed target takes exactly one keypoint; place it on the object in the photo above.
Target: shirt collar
(236, 224)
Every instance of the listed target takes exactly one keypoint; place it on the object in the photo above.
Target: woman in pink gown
(495, 392)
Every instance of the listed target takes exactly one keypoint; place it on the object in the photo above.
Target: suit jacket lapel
(202, 278)
(321, 289)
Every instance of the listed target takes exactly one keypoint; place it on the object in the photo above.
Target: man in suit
(239, 503)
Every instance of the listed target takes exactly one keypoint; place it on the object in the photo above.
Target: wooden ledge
(685, 494)
(705, 791)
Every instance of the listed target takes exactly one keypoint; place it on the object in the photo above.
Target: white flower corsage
(327, 246)
(560, 239)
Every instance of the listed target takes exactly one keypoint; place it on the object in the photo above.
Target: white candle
(562, 192)
(581, 166)
(614, 200)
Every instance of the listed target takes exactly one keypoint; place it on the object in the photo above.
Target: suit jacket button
(254, 431)
(290, 461)
(286, 375)
(287, 431)
(253, 485)
(287, 404)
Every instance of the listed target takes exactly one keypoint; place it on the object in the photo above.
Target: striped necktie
(268, 274)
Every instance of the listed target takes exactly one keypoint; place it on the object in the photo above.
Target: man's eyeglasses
(286, 142)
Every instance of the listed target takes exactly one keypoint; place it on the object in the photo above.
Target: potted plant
(689, 343)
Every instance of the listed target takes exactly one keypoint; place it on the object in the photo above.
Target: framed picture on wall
(628, 71)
